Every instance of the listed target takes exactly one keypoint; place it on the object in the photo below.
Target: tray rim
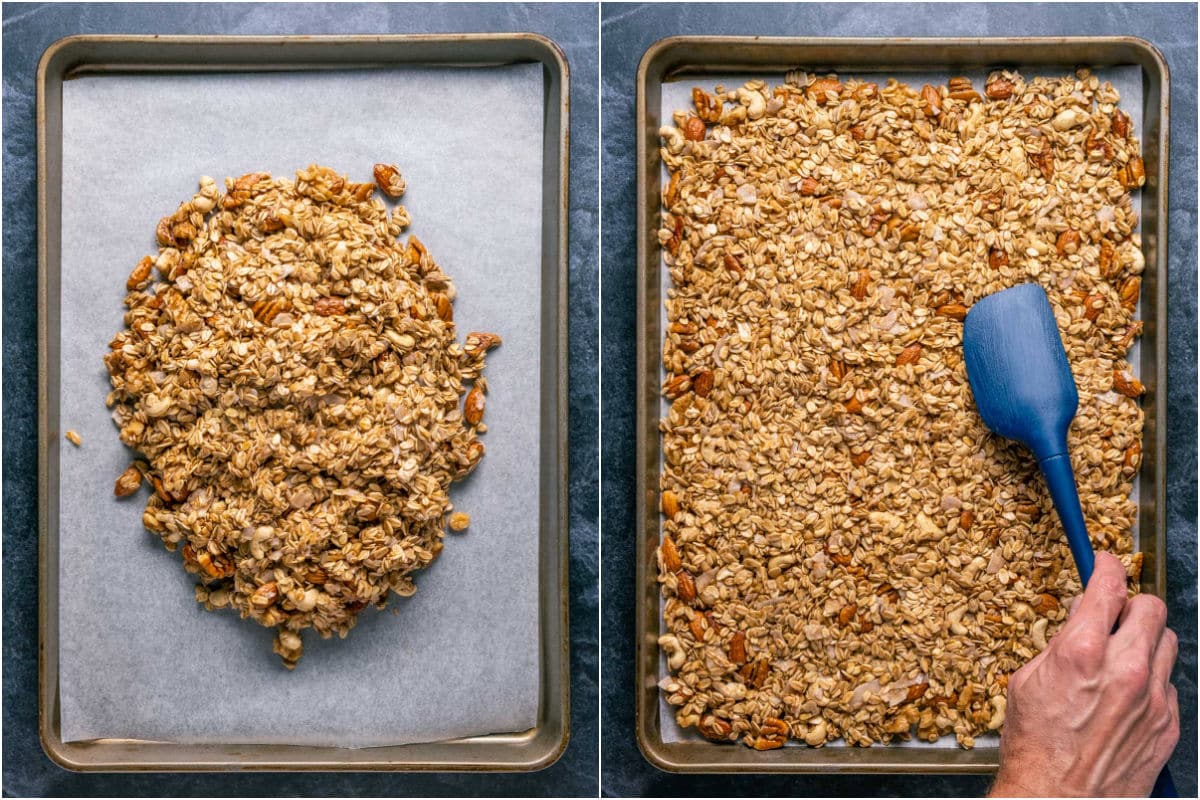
(683, 757)
(524, 751)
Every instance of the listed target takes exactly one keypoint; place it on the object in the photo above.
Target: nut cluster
(290, 374)
(846, 550)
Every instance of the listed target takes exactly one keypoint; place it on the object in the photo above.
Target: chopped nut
(670, 504)
(329, 306)
(459, 521)
(999, 89)
(74, 438)
(129, 481)
(1127, 385)
(473, 406)
(956, 311)
(388, 179)
(909, 355)
(694, 129)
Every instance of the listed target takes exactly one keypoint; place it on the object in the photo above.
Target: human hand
(1094, 714)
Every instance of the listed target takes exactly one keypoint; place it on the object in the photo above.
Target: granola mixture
(846, 550)
(290, 373)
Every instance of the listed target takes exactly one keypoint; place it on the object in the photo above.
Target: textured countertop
(27, 30)
(627, 30)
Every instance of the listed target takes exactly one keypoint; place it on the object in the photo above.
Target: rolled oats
(847, 552)
(294, 382)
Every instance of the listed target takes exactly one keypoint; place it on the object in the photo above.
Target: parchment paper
(677, 95)
(139, 657)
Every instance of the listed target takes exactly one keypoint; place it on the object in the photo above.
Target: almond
(473, 406)
(916, 691)
(713, 727)
(443, 306)
(837, 369)
(128, 482)
(265, 595)
(696, 624)
(1045, 604)
(1093, 305)
(1127, 384)
(956, 311)
(388, 179)
(702, 383)
(933, 100)
(999, 89)
(847, 613)
(965, 520)
(862, 282)
(997, 258)
(858, 459)
(676, 385)
(909, 355)
(1133, 456)
(686, 587)
(140, 277)
(670, 504)
(670, 555)
(820, 88)
(733, 265)
(809, 187)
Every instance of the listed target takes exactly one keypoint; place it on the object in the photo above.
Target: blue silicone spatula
(1024, 390)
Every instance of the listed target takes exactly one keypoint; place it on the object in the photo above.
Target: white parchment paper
(677, 95)
(139, 657)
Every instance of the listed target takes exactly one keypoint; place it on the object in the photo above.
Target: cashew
(1037, 632)
(755, 103)
(674, 138)
(954, 617)
(817, 734)
(1066, 119)
(999, 706)
(674, 650)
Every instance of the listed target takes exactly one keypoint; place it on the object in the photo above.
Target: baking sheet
(139, 658)
(677, 95)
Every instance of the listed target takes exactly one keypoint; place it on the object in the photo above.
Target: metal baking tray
(524, 751)
(699, 56)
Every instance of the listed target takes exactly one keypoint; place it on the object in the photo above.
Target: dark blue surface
(627, 30)
(28, 29)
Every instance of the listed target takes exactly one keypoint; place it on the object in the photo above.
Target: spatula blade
(1018, 369)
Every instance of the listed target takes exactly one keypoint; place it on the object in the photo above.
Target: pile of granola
(846, 550)
(290, 373)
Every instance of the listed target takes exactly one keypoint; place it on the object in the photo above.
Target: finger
(1141, 624)
(1102, 600)
(1165, 653)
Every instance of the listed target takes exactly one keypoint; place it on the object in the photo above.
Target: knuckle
(1085, 650)
(1133, 675)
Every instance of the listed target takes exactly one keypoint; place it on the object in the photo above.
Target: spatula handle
(1061, 481)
